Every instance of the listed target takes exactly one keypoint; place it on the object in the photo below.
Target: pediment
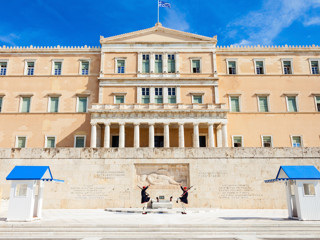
(158, 34)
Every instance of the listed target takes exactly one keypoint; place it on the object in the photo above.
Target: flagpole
(158, 11)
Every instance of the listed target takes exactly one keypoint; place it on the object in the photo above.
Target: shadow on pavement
(256, 218)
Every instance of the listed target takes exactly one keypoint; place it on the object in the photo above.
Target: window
(287, 68)
(234, 103)
(121, 66)
(158, 63)
(196, 66)
(30, 68)
(314, 66)
(50, 142)
(57, 67)
(82, 104)
(1, 100)
(21, 190)
(145, 95)
(292, 104)
(197, 99)
(158, 141)
(266, 141)
(80, 141)
(119, 99)
(296, 141)
(232, 67)
(158, 98)
(237, 141)
(25, 104)
(172, 95)
(145, 63)
(263, 103)
(53, 104)
(259, 66)
(21, 141)
(115, 141)
(202, 141)
(171, 63)
(308, 189)
(3, 68)
(317, 99)
(84, 67)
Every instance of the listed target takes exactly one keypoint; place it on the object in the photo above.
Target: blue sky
(81, 22)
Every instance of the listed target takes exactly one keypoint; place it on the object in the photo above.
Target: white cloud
(312, 21)
(264, 25)
(9, 39)
(176, 20)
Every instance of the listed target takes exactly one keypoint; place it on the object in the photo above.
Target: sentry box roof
(31, 173)
(286, 173)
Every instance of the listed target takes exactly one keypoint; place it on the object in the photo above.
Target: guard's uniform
(184, 196)
(144, 196)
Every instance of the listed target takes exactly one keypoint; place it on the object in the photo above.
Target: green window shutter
(196, 66)
(51, 142)
(292, 104)
(263, 104)
(197, 99)
(158, 66)
(54, 104)
(296, 141)
(25, 104)
(171, 66)
(21, 142)
(172, 99)
(145, 99)
(82, 105)
(1, 104)
(85, 65)
(235, 107)
(119, 99)
(80, 142)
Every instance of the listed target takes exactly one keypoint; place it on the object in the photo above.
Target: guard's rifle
(186, 191)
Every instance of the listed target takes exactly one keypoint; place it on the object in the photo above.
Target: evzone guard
(184, 198)
(144, 198)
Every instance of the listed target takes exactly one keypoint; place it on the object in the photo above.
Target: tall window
(197, 99)
(50, 141)
(25, 104)
(296, 141)
(158, 63)
(21, 190)
(287, 68)
(82, 104)
(309, 189)
(232, 67)
(234, 103)
(196, 66)
(317, 98)
(292, 103)
(172, 95)
(259, 67)
(315, 67)
(263, 104)
(158, 98)
(119, 99)
(84, 67)
(171, 63)
(145, 63)
(1, 98)
(266, 141)
(3, 68)
(237, 141)
(30, 68)
(121, 66)
(53, 104)
(57, 68)
(80, 141)
(145, 95)
(21, 142)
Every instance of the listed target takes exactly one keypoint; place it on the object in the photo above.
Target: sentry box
(26, 194)
(303, 191)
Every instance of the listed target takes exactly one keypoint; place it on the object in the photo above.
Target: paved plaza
(98, 224)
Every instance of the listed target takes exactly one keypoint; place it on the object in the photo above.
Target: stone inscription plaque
(212, 174)
(109, 174)
(91, 192)
(241, 191)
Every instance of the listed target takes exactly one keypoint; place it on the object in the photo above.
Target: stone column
(178, 100)
(139, 95)
(166, 135)
(211, 135)
(181, 135)
(121, 135)
(196, 135)
(219, 137)
(151, 94)
(136, 135)
(106, 135)
(177, 63)
(216, 95)
(151, 135)
(139, 62)
(165, 62)
(224, 135)
(151, 63)
(165, 94)
(93, 135)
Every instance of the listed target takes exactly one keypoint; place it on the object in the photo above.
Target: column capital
(166, 123)
(195, 124)
(151, 123)
(94, 124)
(122, 123)
(136, 123)
(210, 124)
(181, 123)
(107, 123)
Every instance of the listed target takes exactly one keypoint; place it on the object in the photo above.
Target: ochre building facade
(159, 87)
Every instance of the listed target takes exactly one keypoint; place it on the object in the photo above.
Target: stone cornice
(266, 49)
(50, 49)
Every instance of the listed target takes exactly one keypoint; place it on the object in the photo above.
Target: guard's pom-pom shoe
(144, 213)
(183, 213)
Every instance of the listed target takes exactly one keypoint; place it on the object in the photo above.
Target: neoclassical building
(159, 87)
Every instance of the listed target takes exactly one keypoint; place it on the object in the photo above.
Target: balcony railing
(164, 106)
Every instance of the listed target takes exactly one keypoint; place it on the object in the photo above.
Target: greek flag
(164, 4)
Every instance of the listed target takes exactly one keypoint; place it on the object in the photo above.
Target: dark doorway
(202, 141)
(115, 141)
(158, 141)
